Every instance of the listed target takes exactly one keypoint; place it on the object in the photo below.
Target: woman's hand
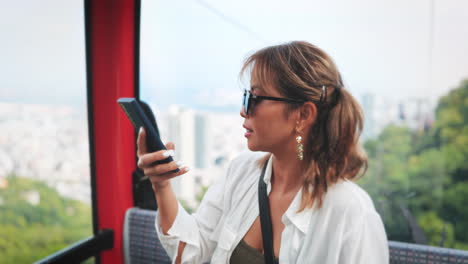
(159, 174)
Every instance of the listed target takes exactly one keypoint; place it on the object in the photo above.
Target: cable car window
(45, 200)
(405, 62)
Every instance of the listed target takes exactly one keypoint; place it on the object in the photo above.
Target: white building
(202, 139)
(206, 142)
(379, 112)
(416, 113)
(181, 131)
(368, 107)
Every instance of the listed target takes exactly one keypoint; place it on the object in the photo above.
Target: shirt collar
(299, 220)
(267, 176)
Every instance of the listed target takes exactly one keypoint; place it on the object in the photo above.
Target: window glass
(404, 61)
(44, 153)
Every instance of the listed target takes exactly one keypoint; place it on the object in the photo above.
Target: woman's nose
(242, 113)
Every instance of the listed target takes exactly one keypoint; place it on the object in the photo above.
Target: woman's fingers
(159, 172)
(159, 178)
(166, 171)
(147, 160)
(163, 169)
(170, 145)
(141, 142)
(168, 176)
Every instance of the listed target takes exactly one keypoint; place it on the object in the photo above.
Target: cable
(430, 44)
(231, 20)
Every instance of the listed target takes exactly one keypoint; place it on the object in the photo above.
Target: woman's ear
(308, 114)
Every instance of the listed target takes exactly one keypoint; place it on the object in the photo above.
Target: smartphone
(141, 118)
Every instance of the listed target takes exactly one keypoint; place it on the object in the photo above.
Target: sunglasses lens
(246, 102)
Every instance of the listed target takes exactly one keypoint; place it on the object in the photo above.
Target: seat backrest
(141, 245)
(140, 241)
(406, 253)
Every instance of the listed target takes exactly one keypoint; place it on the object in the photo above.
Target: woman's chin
(254, 147)
(251, 146)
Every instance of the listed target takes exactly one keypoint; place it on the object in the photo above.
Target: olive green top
(244, 253)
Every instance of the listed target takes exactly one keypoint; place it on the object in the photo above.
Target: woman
(297, 111)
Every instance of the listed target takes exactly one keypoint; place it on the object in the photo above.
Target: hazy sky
(42, 52)
(381, 47)
(191, 51)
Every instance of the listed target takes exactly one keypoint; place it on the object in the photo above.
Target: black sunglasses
(250, 100)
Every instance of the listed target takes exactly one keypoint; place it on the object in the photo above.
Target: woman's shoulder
(247, 160)
(349, 196)
(346, 202)
(246, 163)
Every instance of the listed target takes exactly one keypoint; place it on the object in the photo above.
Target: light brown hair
(300, 70)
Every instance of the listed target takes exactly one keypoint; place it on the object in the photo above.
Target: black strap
(265, 220)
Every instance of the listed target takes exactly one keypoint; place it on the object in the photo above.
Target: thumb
(170, 145)
(141, 142)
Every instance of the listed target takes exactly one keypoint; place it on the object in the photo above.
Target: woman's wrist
(160, 186)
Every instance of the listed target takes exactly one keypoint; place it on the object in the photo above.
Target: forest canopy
(418, 179)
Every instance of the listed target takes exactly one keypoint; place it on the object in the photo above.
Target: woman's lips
(249, 131)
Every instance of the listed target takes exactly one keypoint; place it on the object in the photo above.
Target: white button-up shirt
(346, 230)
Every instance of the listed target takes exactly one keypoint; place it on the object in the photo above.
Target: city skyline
(205, 141)
(57, 151)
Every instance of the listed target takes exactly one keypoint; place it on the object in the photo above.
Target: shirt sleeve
(195, 230)
(366, 242)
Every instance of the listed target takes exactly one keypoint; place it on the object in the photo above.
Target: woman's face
(267, 128)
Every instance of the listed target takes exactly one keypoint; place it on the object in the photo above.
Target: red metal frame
(111, 70)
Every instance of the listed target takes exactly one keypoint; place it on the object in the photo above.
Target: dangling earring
(300, 148)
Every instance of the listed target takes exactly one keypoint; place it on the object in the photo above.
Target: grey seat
(406, 253)
(141, 243)
(142, 246)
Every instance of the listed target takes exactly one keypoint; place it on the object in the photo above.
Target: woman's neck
(287, 173)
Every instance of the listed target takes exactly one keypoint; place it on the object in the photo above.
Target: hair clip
(323, 95)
